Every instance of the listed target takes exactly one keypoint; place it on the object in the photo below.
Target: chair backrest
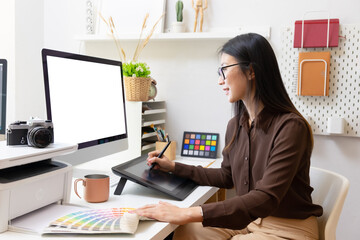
(330, 190)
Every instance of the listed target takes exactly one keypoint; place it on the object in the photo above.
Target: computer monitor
(3, 72)
(85, 100)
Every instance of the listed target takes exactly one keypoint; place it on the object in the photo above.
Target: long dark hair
(256, 53)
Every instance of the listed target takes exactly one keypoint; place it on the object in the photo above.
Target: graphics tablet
(138, 171)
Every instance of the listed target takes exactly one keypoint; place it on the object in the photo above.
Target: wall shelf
(157, 37)
(214, 35)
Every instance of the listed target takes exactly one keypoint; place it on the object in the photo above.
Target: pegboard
(344, 82)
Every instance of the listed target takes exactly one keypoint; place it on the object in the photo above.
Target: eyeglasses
(221, 69)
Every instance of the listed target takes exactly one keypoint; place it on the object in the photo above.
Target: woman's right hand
(163, 164)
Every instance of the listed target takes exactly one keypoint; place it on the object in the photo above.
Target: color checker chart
(197, 144)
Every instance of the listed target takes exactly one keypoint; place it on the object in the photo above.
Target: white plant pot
(177, 27)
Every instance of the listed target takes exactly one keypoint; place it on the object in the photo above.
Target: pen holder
(170, 152)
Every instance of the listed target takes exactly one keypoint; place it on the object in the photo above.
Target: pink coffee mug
(96, 187)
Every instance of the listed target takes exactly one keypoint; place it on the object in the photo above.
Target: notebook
(315, 33)
(313, 74)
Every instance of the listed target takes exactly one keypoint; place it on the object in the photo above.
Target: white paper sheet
(34, 222)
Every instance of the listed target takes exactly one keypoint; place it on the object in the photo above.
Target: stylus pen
(160, 155)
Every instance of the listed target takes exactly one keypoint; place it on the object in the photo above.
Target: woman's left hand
(166, 212)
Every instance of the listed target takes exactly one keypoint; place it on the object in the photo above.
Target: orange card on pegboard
(313, 74)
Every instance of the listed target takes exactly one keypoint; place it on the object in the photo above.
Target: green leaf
(136, 69)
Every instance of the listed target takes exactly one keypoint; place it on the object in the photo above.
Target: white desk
(133, 195)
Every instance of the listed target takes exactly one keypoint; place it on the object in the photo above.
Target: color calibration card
(197, 144)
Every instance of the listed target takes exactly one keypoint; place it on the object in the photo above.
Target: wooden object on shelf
(170, 152)
(199, 7)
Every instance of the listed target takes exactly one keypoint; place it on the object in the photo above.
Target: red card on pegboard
(316, 33)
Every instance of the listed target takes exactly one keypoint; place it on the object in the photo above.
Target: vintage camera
(35, 133)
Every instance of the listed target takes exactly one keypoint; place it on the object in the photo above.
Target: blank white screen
(2, 111)
(86, 100)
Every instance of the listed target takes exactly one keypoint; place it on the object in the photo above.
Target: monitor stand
(120, 186)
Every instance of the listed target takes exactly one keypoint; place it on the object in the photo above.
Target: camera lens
(39, 137)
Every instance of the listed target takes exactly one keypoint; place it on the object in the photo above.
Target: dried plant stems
(112, 28)
(117, 42)
(147, 39)
(141, 32)
(141, 43)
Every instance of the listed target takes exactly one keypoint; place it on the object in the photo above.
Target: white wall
(29, 34)
(7, 49)
(21, 39)
(186, 73)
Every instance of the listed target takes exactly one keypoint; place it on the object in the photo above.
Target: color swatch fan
(95, 221)
(198, 144)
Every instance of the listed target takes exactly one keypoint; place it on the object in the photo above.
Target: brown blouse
(269, 168)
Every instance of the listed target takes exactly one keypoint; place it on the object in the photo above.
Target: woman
(266, 158)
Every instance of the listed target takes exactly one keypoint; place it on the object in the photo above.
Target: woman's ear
(251, 73)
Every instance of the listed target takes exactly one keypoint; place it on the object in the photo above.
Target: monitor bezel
(55, 53)
(179, 193)
(3, 96)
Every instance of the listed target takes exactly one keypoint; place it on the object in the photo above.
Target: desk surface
(134, 195)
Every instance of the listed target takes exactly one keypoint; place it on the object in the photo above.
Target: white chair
(330, 190)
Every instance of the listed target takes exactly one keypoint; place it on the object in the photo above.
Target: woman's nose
(221, 80)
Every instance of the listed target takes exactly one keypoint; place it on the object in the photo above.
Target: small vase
(137, 88)
(177, 27)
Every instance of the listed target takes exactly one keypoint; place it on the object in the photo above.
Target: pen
(209, 164)
(160, 155)
(160, 136)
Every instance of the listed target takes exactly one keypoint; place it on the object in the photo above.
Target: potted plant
(178, 26)
(136, 74)
(137, 81)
